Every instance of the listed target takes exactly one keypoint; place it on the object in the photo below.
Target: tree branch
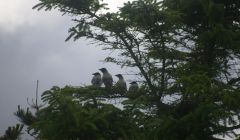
(139, 65)
(233, 81)
(225, 129)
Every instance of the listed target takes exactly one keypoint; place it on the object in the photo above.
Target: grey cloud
(39, 52)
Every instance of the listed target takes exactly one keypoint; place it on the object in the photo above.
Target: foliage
(12, 133)
(187, 53)
(78, 113)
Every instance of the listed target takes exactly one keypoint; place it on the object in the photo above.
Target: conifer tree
(13, 133)
(187, 53)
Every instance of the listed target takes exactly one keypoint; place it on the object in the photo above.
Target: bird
(133, 88)
(133, 91)
(96, 80)
(106, 78)
(120, 86)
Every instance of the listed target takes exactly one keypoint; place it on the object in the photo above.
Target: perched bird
(120, 86)
(106, 78)
(133, 87)
(133, 90)
(96, 80)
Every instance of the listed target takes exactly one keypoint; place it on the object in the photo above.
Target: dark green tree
(187, 53)
(13, 133)
(77, 113)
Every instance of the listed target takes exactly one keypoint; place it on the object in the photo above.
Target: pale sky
(33, 47)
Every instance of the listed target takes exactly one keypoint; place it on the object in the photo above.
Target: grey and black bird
(96, 80)
(133, 91)
(106, 78)
(133, 88)
(121, 86)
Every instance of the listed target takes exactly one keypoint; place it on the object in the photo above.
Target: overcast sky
(32, 47)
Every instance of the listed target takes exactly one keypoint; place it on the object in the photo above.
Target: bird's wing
(107, 79)
(96, 80)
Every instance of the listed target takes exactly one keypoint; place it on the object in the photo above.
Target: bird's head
(96, 73)
(119, 76)
(133, 82)
(103, 70)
